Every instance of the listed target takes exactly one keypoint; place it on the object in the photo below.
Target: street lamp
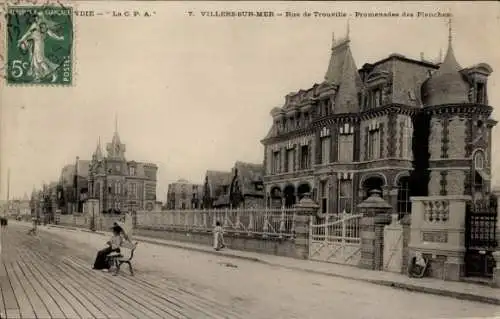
(91, 201)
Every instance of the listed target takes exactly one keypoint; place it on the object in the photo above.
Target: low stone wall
(244, 242)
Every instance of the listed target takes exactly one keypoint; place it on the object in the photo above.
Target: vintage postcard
(249, 159)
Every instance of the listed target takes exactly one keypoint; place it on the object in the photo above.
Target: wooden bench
(118, 259)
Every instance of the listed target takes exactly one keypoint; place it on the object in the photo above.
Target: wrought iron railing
(264, 222)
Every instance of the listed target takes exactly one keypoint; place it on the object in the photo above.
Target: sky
(193, 93)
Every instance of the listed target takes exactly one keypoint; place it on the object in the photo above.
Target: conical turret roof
(447, 85)
(98, 155)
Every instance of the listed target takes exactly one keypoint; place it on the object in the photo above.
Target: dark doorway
(275, 198)
(289, 194)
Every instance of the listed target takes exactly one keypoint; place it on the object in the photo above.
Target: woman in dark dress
(113, 246)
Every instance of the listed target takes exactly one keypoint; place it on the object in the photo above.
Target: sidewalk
(458, 290)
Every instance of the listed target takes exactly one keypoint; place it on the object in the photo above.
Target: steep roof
(249, 174)
(216, 180)
(343, 73)
(447, 85)
(98, 154)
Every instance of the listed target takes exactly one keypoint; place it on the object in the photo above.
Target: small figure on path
(32, 231)
(113, 246)
(218, 237)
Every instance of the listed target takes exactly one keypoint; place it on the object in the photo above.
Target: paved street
(50, 276)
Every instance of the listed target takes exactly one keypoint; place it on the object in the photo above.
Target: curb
(439, 292)
(403, 286)
(387, 283)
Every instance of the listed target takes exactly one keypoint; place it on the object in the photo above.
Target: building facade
(216, 189)
(184, 195)
(247, 185)
(119, 184)
(242, 187)
(72, 190)
(402, 126)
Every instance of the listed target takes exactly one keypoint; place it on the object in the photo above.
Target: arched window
(403, 202)
(479, 160)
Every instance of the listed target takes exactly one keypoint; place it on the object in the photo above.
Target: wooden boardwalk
(41, 278)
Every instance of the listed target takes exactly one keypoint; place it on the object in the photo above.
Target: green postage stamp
(39, 45)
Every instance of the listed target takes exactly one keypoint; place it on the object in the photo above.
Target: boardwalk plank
(59, 299)
(25, 308)
(73, 297)
(119, 284)
(38, 306)
(2, 304)
(2, 258)
(100, 298)
(49, 302)
(92, 297)
(85, 293)
(9, 298)
(128, 302)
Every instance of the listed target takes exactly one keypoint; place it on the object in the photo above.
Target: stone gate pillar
(306, 208)
(376, 214)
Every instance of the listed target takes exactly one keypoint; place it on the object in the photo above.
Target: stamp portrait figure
(33, 41)
(40, 43)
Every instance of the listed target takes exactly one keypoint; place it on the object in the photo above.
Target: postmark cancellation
(39, 45)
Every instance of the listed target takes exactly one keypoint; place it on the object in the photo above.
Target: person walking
(218, 237)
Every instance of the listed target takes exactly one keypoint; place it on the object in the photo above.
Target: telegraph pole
(77, 198)
(8, 192)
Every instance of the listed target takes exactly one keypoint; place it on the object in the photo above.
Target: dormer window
(131, 171)
(377, 98)
(326, 108)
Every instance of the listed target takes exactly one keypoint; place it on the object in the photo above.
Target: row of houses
(241, 187)
(117, 183)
